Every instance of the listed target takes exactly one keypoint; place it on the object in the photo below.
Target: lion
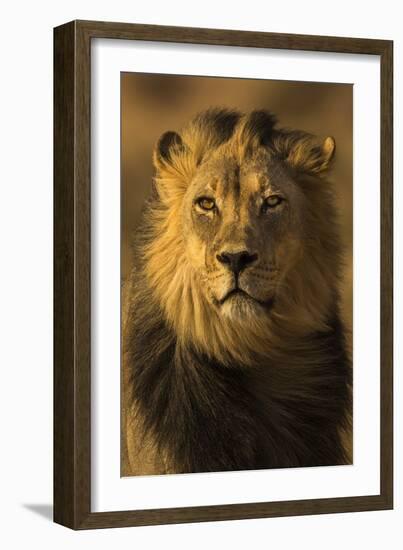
(234, 351)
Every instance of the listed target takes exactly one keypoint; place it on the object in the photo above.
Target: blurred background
(152, 104)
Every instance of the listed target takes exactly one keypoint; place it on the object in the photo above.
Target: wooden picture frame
(72, 270)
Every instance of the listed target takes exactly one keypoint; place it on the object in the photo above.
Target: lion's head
(244, 243)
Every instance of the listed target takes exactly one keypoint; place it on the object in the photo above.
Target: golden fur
(173, 258)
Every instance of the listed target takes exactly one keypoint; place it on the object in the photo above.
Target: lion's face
(241, 228)
(243, 231)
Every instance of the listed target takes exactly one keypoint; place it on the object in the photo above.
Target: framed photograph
(222, 275)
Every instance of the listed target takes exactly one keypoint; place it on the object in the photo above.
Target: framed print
(223, 275)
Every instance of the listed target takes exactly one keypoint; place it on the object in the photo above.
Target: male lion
(233, 349)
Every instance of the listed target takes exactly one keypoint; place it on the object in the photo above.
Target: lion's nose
(237, 261)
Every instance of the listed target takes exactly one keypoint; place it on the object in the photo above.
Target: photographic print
(206, 362)
(236, 250)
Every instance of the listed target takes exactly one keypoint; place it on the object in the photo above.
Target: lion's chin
(240, 306)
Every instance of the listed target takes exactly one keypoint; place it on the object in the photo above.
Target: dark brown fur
(206, 416)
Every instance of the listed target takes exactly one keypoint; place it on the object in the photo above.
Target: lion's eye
(206, 203)
(272, 201)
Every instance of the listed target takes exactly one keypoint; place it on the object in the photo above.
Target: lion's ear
(327, 151)
(305, 153)
(316, 157)
(168, 144)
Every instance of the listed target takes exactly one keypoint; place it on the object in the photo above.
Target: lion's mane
(203, 395)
